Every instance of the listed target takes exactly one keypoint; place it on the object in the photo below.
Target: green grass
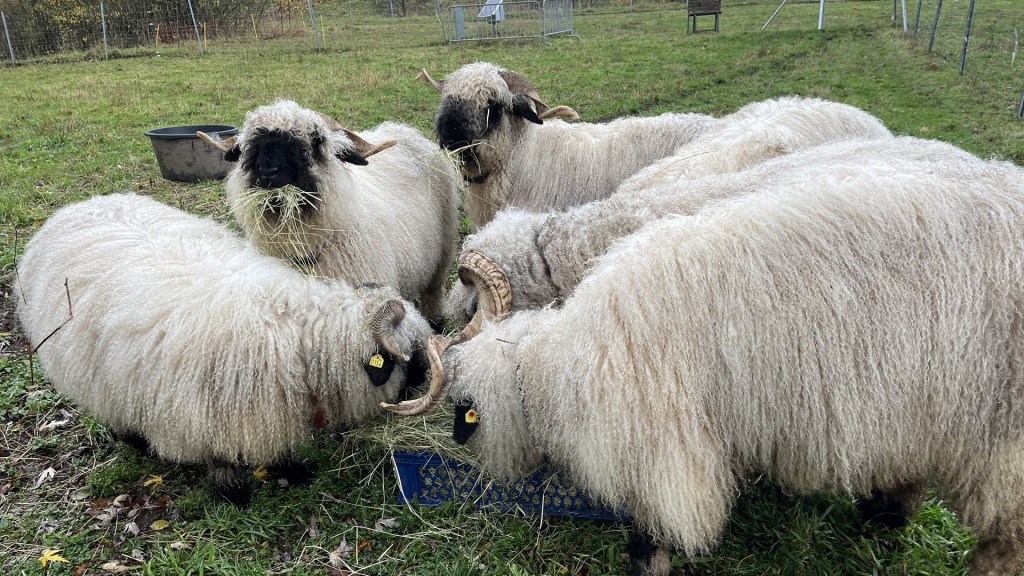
(74, 129)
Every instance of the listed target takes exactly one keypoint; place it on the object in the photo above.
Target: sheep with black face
(851, 326)
(307, 191)
(516, 151)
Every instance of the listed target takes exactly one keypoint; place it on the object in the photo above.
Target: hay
(430, 433)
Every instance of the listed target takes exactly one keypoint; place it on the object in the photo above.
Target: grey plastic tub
(184, 157)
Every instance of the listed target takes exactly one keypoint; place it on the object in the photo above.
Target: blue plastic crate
(432, 479)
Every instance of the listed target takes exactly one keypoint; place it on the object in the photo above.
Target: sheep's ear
(522, 106)
(233, 154)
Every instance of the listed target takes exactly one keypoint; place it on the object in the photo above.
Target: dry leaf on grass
(385, 524)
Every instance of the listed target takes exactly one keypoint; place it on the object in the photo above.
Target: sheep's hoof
(646, 558)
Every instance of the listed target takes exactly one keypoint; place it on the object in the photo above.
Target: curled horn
(439, 382)
(222, 145)
(426, 78)
(383, 325)
(494, 295)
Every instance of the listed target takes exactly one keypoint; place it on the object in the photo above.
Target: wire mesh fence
(501, 19)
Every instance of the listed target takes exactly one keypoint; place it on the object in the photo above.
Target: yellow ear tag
(471, 417)
(376, 361)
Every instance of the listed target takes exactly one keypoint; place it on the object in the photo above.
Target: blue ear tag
(466, 422)
(379, 367)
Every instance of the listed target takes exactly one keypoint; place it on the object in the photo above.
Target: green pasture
(74, 128)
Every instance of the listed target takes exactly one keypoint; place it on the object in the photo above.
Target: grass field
(72, 130)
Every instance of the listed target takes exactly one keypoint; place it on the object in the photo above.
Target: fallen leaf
(159, 525)
(115, 567)
(154, 480)
(179, 545)
(261, 473)
(52, 425)
(364, 545)
(344, 550)
(385, 523)
(313, 530)
(51, 555)
(80, 569)
(45, 476)
(133, 528)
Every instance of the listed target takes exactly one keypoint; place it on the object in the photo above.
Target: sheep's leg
(292, 471)
(1001, 556)
(231, 481)
(133, 439)
(891, 507)
(646, 557)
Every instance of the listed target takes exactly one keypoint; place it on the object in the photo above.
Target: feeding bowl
(184, 157)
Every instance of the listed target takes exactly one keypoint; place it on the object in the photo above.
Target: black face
(277, 159)
(458, 124)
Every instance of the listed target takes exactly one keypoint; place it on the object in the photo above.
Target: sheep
(760, 131)
(514, 150)
(181, 332)
(304, 191)
(544, 256)
(851, 327)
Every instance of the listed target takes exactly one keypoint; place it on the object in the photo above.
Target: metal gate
(505, 19)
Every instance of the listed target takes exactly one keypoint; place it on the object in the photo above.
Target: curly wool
(545, 256)
(758, 132)
(392, 222)
(184, 333)
(847, 327)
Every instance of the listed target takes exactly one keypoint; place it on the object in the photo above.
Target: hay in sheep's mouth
(283, 206)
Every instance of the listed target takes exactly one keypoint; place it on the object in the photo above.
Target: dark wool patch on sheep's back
(12, 341)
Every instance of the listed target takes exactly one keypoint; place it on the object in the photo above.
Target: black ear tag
(379, 367)
(466, 421)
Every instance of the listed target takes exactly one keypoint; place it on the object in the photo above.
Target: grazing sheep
(544, 256)
(185, 334)
(513, 151)
(849, 328)
(304, 191)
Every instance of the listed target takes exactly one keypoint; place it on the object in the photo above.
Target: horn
(439, 382)
(383, 325)
(222, 145)
(426, 78)
(494, 294)
(519, 84)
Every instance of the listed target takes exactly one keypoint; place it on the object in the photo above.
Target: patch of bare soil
(12, 341)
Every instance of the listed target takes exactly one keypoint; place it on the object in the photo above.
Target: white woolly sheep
(851, 327)
(513, 151)
(304, 191)
(758, 132)
(544, 256)
(185, 334)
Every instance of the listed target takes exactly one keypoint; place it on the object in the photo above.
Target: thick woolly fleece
(545, 256)
(554, 165)
(392, 222)
(852, 326)
(184, 333)
(758, 132)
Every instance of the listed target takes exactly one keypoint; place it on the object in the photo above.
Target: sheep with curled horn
(306, 190)
(187, 338)
(515, 150)
(546, 254)
(853, 326)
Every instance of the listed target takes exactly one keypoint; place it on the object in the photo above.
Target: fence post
(967, 38)
(935, 26)
(1020, 109)
(312, 24)
(199, 41)
(103, 21)
(10, 46)
(917, 20)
